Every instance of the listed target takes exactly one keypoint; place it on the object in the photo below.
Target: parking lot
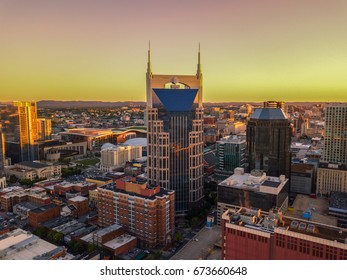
(201, 246)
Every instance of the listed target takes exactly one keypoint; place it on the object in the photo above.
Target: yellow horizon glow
(292, 51)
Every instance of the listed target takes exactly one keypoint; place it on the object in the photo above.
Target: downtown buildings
(24, 130)
(175, 135)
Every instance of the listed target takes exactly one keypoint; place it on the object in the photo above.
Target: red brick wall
(240, 245)
(35, 219)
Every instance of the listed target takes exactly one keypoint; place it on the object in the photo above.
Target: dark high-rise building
(268, 142)
(175, 135)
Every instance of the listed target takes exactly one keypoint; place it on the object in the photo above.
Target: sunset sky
(251, 50)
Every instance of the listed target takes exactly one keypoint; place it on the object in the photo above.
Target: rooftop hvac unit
(311, 228)
(302, 226)
(294, 225)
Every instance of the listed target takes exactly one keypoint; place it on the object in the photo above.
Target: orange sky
(292, 50)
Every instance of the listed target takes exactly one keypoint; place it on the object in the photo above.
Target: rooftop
(136, 142)
(268, 114)
(27, 205)
(112, 187)
(56, 222)
(99, 178)
(272, 184)
(338, 200)
(302, 167)
(274, 221)
(232, 139)
(318, 208)
(78, 198)
(108, 146)
(90, 132)
(66, 184)
(69, 227)
(43, 208)
(33, 164)
(331, 165)
(22, 245)
(108, 229)
(119, 241)
(256, 181)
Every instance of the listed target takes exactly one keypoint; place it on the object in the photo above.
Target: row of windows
(307, 247)
(247, 235)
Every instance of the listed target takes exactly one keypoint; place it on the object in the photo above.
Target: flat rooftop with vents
(274, 221)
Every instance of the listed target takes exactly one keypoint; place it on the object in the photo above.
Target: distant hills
(87, 104)
(102, 104)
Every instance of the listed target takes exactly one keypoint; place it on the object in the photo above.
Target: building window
(280, 241)
(291, 243)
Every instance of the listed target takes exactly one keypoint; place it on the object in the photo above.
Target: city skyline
(250, 51)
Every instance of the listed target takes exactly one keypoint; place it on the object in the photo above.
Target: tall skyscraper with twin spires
(175, 135)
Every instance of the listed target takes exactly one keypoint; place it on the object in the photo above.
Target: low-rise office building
(252, 190)
(17, 195)
(113, 157)
(43, 214)
(22, 245)
(331, 177)
(81, 204)
(302, 178)
(34, 170)
(338, 207)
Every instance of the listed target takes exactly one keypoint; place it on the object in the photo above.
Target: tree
(178, 237)
(58, 238)
(26, 182)
(92, 248)
(13, 179)
(157, 254)
(41, 232)
(77, 247)
(50, 235)
(66, 172)
(194, 221)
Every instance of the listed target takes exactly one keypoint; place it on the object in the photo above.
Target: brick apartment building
(43, 214)
(81, 204)
(255, 235)
(17, 195)
(83, 187)
(146, 211)
(113, 239)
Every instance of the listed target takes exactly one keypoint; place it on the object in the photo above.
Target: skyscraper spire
(198, 72)
(149, 63)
